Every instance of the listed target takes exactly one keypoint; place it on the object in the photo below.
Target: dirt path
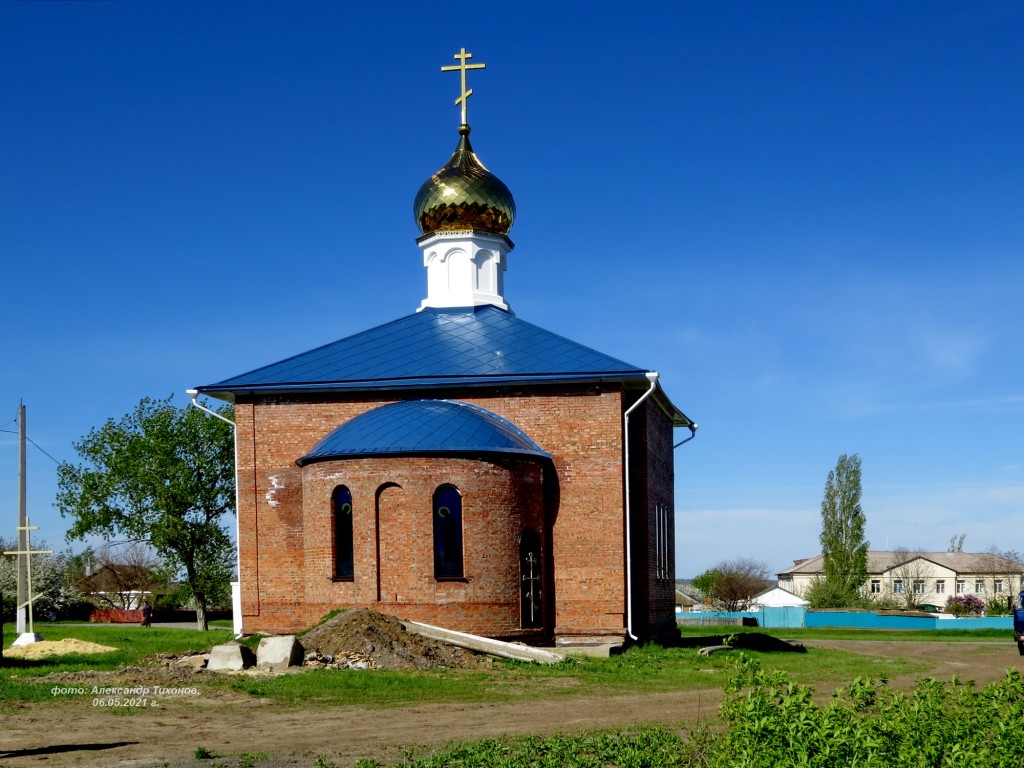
(981, 662)
(74, 733)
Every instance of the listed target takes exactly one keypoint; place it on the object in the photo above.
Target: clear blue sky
(809, 217)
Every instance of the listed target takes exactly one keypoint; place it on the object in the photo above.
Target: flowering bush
(54, 597)
(965, 605)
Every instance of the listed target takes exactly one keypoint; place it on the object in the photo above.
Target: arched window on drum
(341, 509)
(447, 533)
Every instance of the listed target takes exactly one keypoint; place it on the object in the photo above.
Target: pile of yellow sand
(45, 648)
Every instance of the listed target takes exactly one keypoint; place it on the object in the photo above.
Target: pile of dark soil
(749, 641)
(384, 640)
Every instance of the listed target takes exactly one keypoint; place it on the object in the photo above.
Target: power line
(29, 439)
(17, 415)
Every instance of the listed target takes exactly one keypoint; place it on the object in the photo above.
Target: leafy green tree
(822, 593)
(705, 582)
(843, 545)
(163, 476)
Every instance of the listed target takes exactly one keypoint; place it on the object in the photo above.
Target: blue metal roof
(423, 427)
(476, 345)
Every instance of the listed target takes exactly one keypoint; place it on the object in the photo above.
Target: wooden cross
(27, 552)
(461, 67)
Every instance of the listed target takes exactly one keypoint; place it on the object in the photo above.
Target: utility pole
(22, 604)
(23, 608)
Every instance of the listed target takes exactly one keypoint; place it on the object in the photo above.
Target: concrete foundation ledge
(594, 651)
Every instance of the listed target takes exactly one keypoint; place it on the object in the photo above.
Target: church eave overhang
(424, 382)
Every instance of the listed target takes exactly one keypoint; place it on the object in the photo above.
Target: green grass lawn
(647, 669)
(132, 641)
(640, 669)
(133, 644)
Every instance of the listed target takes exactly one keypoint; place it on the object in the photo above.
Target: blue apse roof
(476, 345)
(422, 427)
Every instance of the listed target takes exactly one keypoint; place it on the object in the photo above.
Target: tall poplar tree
(842, 530)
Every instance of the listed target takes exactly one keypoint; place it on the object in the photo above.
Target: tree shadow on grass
(55, 749)
(15, 662)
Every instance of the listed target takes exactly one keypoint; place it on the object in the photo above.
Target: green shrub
(998, 606)
(773, 723)
(822, 593)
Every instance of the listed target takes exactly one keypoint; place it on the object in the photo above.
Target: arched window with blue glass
(447, 533)
(344, 561)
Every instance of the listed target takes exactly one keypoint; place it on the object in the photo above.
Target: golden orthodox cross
(461, 67)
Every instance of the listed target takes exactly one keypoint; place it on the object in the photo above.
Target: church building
(458, 466)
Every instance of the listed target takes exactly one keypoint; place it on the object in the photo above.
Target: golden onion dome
(464, 196)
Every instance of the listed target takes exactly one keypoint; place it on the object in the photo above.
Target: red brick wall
(499, 500)
(580, 426)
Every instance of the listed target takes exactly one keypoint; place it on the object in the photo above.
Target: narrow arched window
(447, 533)
(341, 506)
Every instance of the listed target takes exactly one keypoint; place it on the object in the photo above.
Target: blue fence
(874, 621)
(793, 617)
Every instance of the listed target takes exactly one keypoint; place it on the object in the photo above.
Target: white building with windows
(931, 577)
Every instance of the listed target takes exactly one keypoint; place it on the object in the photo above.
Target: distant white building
(930, 577)
(776, 597)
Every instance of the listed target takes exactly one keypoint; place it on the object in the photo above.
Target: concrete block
(230, 656)
(279, 651)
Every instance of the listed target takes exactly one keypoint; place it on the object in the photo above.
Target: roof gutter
(193, 394)
(652, 376)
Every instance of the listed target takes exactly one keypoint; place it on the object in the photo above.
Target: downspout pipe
(193, 395)
(652, 376)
